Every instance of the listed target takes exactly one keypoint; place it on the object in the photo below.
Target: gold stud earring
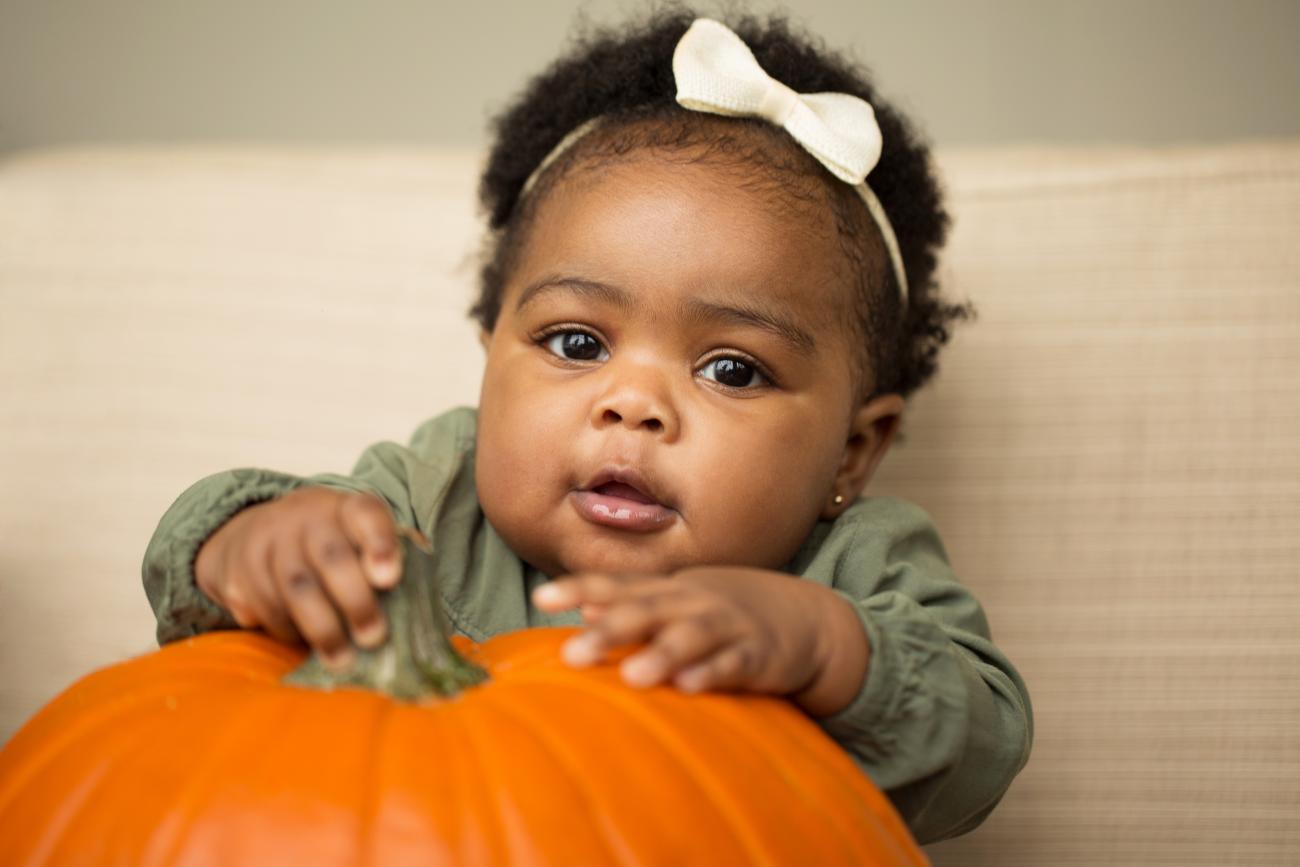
(839, 500)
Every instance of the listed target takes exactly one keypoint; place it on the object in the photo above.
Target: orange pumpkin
(199, 754)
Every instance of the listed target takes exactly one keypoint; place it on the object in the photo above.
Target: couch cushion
(1110, 450)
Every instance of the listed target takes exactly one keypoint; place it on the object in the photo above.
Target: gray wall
(973, 71)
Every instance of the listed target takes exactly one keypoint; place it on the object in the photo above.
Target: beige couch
(1112, 450)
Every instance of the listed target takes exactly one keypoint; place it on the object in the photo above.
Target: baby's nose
(639, 400)
(646, 420)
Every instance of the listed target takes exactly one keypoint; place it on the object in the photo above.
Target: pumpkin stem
(417, 660)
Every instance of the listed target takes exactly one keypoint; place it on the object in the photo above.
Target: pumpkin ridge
(416, 784)
(483, 788)
(51, 833)
(755, 849)
(833, 807)
(84, 723)
(525, 683)
(241, 718)
(372, 788)
(368, 815)
(825, 751)
(134, 741)
(720, 712)
(556, 750)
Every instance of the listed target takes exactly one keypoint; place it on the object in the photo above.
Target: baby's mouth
(624, 492)
(619, 503)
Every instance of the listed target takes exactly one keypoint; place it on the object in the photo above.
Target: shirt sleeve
(179, 606)
(386, 469)
(942, 722)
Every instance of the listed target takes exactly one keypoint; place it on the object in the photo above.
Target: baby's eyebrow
(694, 309)
(778, 326)
(590, 288)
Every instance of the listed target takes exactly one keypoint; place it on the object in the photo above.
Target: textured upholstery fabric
(1112, 450)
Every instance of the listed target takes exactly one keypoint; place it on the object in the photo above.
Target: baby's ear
(484, 338)
(871, 432)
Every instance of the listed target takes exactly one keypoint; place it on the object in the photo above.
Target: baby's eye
(576, 346)
(733, 372)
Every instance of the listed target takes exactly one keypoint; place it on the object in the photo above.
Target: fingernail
(581, 650)
(689, 682)
(371, 634)
(546, 594)
(384, 571)
(339, 660)
(640, 671)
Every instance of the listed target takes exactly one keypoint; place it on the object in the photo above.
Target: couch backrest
(1112, 450)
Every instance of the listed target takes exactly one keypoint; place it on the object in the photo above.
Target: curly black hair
(624, 77)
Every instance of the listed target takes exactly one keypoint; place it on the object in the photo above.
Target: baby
(701, 326)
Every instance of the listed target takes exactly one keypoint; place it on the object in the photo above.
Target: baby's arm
(207, 513)
(942, 721)
(391, 471)
(179, 606)
(305, 567)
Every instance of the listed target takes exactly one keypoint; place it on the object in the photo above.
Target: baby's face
(669, 381)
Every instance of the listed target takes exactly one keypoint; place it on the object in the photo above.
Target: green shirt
(942, 723)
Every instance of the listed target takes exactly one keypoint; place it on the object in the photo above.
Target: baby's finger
(369, 525)
(589, 588)
(310, 609)
(558, 594)
(637, 618)
(236, 593)
(236, 600)
(731, 668)
(679, 645)
(262, 596)
(331, 555)
(630, 620)
(278, 625)
(591, 613)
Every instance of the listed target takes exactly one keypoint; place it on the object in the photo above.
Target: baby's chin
(616, 566)
(573, 546)
(635, 555)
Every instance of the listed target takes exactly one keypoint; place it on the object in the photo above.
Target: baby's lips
(627, 482)
(621, 514)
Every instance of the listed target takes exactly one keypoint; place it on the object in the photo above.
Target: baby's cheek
(505, 505)
(761, 524)
(517, 486)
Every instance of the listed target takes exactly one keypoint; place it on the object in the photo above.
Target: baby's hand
(708, 628)
(293, 565)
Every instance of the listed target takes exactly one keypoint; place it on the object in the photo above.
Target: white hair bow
(717, 73)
